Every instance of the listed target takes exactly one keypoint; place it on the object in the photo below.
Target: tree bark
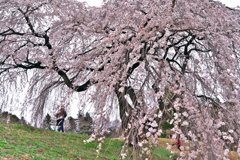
(124, 107)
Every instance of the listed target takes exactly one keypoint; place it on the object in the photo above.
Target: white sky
(230, 3)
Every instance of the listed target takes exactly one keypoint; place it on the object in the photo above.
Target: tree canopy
(165, 55)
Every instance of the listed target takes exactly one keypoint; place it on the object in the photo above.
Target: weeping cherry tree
(153, 56)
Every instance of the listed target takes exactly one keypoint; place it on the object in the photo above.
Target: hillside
(25, 142)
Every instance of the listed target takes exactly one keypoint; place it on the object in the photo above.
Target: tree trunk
(124, 107)
(128, 114)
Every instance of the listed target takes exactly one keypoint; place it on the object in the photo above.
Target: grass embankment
(25, 142)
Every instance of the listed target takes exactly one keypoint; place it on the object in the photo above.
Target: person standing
(179, 144)
(61, 115)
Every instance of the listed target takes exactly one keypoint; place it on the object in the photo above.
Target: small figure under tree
(60, 115)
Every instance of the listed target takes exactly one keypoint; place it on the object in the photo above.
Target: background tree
(23, 121)
(47, 122)
(72, 125)
(133, 51)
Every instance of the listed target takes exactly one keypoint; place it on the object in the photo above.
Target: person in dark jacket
(61, 115)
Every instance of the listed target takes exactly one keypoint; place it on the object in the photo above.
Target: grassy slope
(25, 142)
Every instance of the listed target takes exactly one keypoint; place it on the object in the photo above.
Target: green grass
(25, 142)
(162, 154)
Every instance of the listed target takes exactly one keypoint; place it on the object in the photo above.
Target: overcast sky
(230, 3)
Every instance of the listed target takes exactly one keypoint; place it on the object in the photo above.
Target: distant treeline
(10, 118)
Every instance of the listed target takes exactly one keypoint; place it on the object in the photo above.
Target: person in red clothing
(179, 144)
